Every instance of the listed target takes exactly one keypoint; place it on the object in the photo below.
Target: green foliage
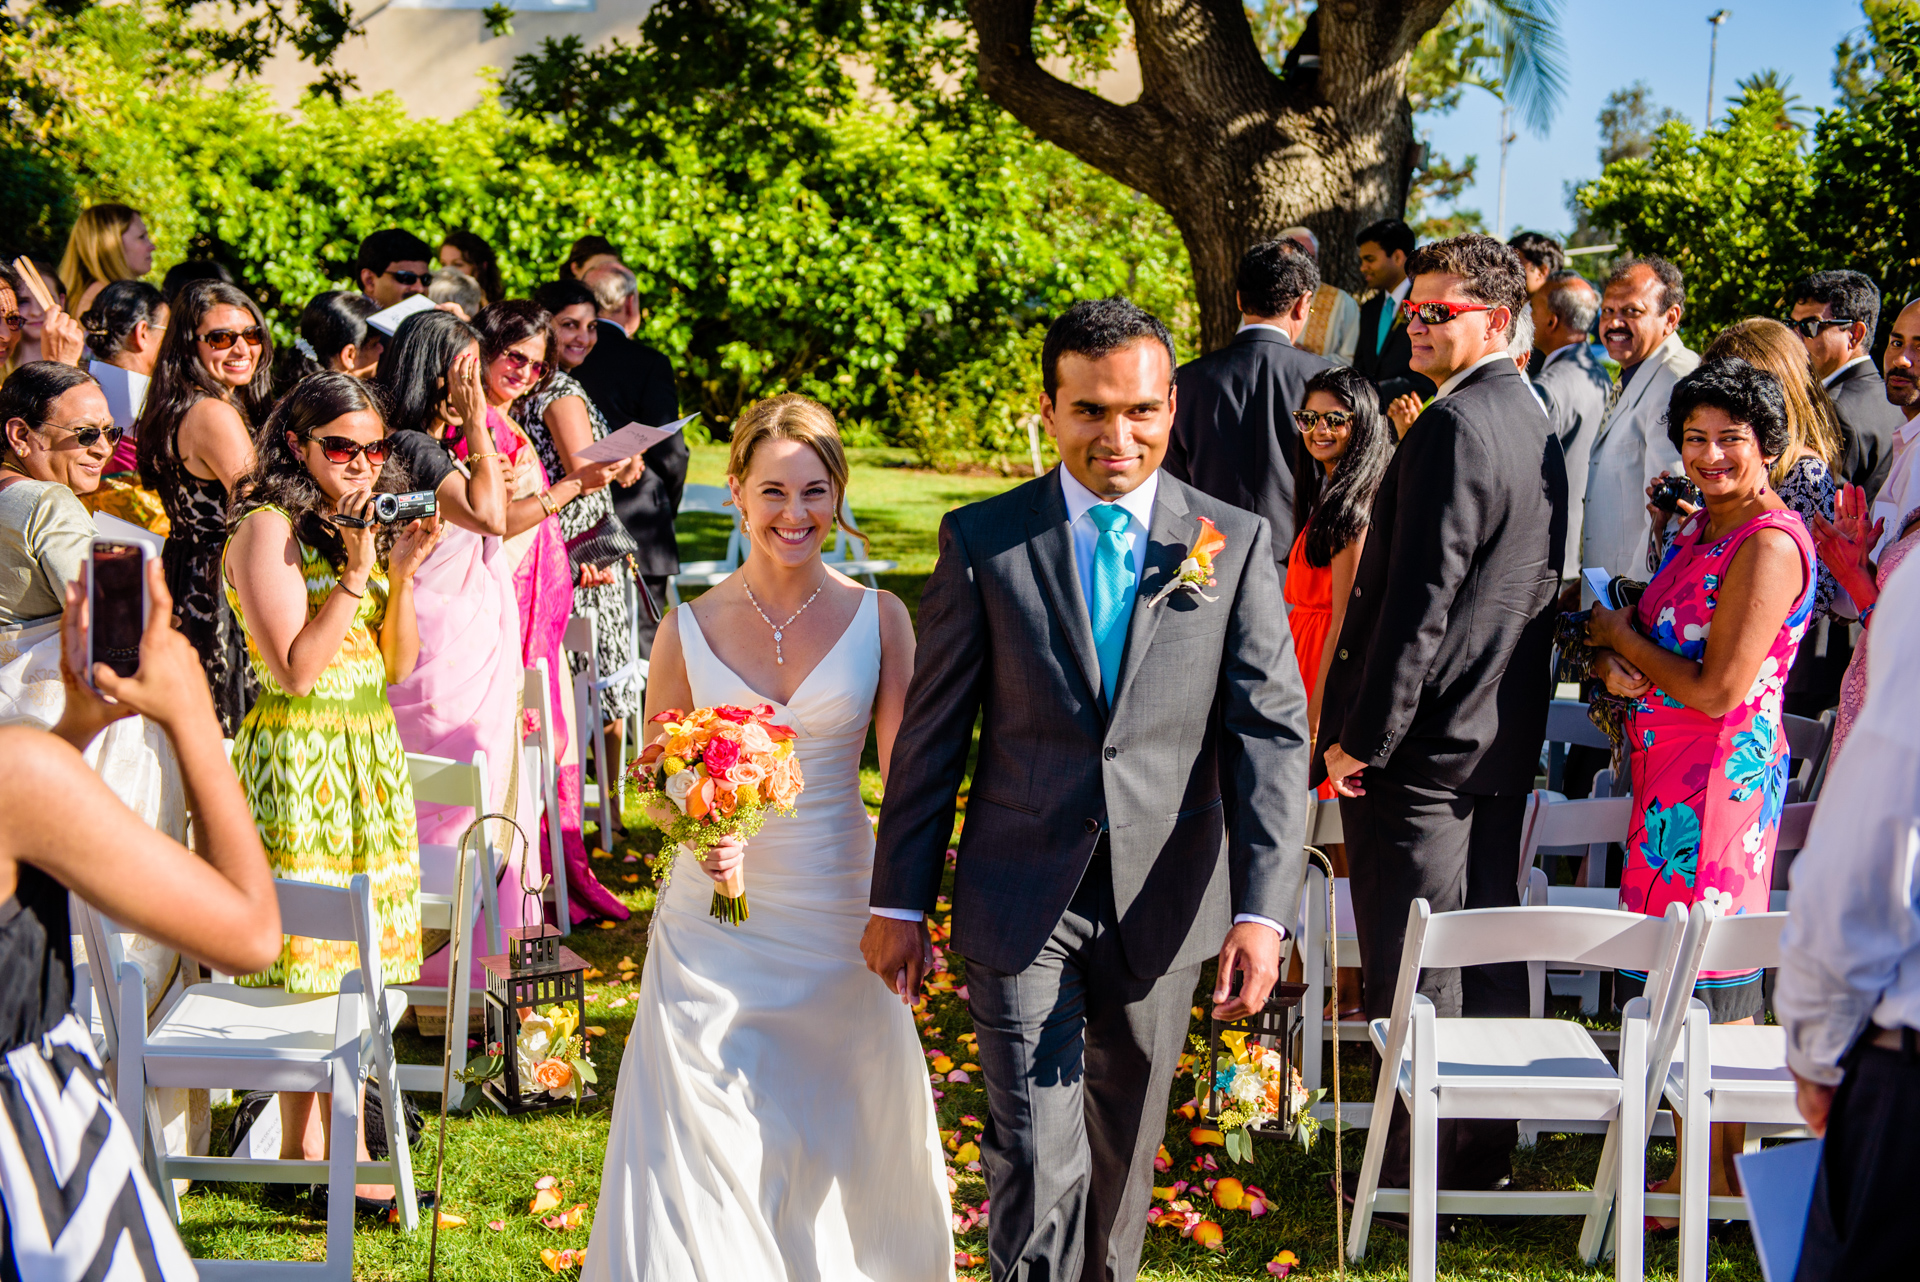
(1724, 205)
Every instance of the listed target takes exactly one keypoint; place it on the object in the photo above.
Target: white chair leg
(1696, 1148)
(556, 852)
(153, 1151)
(1629, 1248)
(1423, 1247)
(1313, 960)
(129, 1075)
(1383, 1093)
(1606, 1181)
(341, 1177)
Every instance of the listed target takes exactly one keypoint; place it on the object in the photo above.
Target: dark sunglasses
(14, 321)
(221, 339)
(537, 370)
(1439, 311)
(1810, 327)
(409, 278)
(88, 437)
(1306, 420)
(340, 449)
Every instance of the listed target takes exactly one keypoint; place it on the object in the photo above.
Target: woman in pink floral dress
(1704, 655)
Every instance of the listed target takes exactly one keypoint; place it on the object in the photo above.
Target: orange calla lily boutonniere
(1196, 572)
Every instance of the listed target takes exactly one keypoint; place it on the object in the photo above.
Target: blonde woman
(773, 1117)
(109, 243)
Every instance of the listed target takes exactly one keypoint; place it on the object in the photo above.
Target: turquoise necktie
(1389, 308)
(1111, 594)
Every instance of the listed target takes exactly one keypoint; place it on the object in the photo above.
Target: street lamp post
(1715, 20)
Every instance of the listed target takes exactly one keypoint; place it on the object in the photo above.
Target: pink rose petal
(958, 1075)
(498, 1226)
(545, 1182)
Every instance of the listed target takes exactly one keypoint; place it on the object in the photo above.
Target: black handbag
(601, 544)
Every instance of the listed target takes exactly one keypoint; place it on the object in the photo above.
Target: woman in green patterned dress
(327, 630)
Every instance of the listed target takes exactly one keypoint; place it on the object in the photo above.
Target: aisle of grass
(493, 1161)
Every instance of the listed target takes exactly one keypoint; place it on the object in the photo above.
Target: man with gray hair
(451, 285)
(630, 382)
(1573, 384)
(1333, 320)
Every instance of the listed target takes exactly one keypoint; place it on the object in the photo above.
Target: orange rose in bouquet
(717, 772)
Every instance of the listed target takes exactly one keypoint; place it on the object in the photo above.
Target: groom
(1140, 796)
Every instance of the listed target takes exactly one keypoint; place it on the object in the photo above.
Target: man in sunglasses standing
(1835, 314)
(392, 265)
(1233, 434)
(1436, 700)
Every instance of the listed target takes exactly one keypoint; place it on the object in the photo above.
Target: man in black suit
(632, 383)
(1384, 352)
(1439, 687)
(1835, 314)
(1233, 434)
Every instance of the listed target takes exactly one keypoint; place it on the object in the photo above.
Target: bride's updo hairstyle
(792, 417)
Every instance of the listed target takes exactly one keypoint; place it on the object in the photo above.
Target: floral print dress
(1709, 791)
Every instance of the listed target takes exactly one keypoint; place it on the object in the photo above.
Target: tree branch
(1104, 134)
(1365, 44)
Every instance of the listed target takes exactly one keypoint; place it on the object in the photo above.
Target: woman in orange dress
(1342, 429)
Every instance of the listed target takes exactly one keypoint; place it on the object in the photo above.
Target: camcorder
(393, 509)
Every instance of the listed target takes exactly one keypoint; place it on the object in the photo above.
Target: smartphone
(117, 597)
(1600, 583)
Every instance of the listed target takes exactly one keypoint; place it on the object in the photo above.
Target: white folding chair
(1724, 1073)
(837, 555)
(591, 726)
(220, 1034)
(716, 500)
(1588, 823)
(540, 765)
(1817, 775)
(1807, 744)
(1567, 722)
(1512, 1068)
(1324, 829)
(440, 781)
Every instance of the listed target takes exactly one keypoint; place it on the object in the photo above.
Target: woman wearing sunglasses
(328, 626)
(211, 384)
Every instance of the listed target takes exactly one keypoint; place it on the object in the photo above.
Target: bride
(773, 1117)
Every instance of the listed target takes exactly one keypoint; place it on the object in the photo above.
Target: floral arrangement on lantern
(1250, 1077)
(714, 773)
(550, 1054)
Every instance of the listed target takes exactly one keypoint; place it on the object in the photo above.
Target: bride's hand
(724, 858)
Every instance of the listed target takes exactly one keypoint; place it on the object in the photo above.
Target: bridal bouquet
(717, 771)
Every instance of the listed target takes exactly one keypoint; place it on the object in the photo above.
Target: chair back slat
(1323, 825)
(439, 781)
(1581, 821)
(1745, 941)
(1567, 722)
(315, 912)
(1806, 737)
(1590, 938)
(1795, 822)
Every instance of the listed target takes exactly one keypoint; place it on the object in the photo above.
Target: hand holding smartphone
(117, 606)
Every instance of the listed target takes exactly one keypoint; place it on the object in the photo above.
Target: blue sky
(1663, 42)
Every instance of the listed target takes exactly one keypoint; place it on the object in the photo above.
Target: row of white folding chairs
(1809, 742)
(219, 1035)
(716, 500)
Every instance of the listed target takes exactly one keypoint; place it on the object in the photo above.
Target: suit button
(1356, 589)
(1343, 652)
(1091, 825)
(1112, 753)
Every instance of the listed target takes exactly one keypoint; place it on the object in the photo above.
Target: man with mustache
(1640, 312)
(1900, 365)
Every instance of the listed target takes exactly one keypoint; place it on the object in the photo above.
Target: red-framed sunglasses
(1439, 311)
(536, 370)
(341, 449)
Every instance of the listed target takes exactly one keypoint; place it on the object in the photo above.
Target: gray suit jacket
(1631, 449)
(1575, 386)
(1198, 769)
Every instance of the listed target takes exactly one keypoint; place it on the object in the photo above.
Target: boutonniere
(1196, 571)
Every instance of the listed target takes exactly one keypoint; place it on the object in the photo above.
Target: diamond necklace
(779, 629)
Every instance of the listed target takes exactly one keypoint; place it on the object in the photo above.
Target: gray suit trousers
(1079, 1056)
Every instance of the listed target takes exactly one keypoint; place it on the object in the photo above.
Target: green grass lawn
(493, 1161)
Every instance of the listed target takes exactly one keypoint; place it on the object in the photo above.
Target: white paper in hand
(388, 320)
(634, 438)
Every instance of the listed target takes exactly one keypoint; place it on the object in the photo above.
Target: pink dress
(1708, 791)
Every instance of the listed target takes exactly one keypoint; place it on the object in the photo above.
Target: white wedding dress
(773, 1117)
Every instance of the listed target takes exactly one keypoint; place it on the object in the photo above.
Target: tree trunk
(1233, 152)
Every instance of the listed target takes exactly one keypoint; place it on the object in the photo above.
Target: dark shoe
(379, 1207)
(1444, 1227)
(284, 1197)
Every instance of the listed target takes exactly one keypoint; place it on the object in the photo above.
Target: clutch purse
(601, 544)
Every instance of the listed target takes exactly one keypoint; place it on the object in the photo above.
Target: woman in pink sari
(516, 348)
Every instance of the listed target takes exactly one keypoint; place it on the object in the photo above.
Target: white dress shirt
(1247, 325)
(1901, 492)
(1138, 505)
(1851, 951)
(1461, 376)
(1828, 380)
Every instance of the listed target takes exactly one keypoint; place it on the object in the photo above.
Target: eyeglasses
(221, 339)
(341, 449)
(1810, 326)
(1439, 311)
(409, 278)
(1337, 420)
(88, 437)
(517, 361)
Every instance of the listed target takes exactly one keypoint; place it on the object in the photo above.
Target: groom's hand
(1253, 950)
(900, 952)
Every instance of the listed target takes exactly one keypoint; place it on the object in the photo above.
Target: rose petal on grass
(604, 925)
(545, 1182)
(958, 1075)
(498, 1226)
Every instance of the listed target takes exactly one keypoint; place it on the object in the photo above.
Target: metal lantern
(535, 972)
(1277, 1026)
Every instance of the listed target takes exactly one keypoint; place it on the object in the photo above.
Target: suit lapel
(1050, 546)
(1173, 532)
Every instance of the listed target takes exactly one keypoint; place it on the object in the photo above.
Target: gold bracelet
(546, 502)
(475, 458)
